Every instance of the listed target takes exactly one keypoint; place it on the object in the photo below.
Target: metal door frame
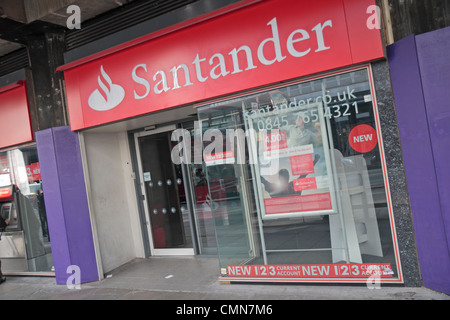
(153, 250)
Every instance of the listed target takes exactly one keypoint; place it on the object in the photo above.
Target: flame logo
(110, 96)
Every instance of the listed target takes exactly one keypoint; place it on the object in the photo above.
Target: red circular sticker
(363, 138)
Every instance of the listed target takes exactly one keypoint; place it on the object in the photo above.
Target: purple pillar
(432, 51)
(420, 74)
(66, 203)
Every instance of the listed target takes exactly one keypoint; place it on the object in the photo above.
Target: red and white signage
(15, 124)
(351, 270)
(305, 184)
(6, 194)
(258, 44)
(275, 141)
(213, 159)
(363, 138)
(34, 172)
(307, 203)
(302, 164)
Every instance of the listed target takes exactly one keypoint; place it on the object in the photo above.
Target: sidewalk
(193, 279)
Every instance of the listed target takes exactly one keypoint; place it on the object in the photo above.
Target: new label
(363, 138)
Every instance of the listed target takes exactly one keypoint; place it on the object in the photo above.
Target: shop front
(252, 134)
(310, 201)
(25, 242)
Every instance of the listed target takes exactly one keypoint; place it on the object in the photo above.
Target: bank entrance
(167, 215)
(193, 206)
(177, 208)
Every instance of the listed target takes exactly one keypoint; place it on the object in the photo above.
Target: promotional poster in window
(293, 160)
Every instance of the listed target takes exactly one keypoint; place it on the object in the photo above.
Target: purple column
(420, 86)
(432, 52)
(66, 203)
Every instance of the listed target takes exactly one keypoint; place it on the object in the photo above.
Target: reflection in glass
(287, 216)
(24, 208)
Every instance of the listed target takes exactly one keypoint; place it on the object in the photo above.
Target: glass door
(227, 173)
(202, 205)
(163, 190)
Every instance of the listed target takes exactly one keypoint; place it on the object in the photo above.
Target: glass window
(22, 204)
(298, 181)
(226, 198)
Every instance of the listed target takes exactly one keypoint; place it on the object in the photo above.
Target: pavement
(193, 278)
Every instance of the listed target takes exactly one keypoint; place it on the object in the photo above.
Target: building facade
(273, 135)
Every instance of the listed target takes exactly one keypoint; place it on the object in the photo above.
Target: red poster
(35, 171)
(302, 164)
(275, 141)
(225, 157)
(352, 270)
(6, 194)
(298, 180)
(312, 202)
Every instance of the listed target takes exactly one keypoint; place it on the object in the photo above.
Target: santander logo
(110, 96)
(247, 58)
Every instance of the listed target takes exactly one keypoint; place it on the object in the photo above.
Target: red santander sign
(259, 44)
(15, 123)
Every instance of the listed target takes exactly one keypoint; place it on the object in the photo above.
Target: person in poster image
(299, 135)
(283, 186)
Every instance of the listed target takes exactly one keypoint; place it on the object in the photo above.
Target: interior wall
(112, 198)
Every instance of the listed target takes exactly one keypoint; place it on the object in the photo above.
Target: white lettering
(74, 280)
(362, 138)
(220, 65)
(269, 51)
(319, 34)
(276, 44)
(181, 153)
(216, 146)
(373, 22)
(187, 77)
(291, 41)
(74, 20)
(162, 82)
(198, 68)
(240, 137)
(198, 142)
(193, 310)
(234, 55)
(350, 94)
(140, 80)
